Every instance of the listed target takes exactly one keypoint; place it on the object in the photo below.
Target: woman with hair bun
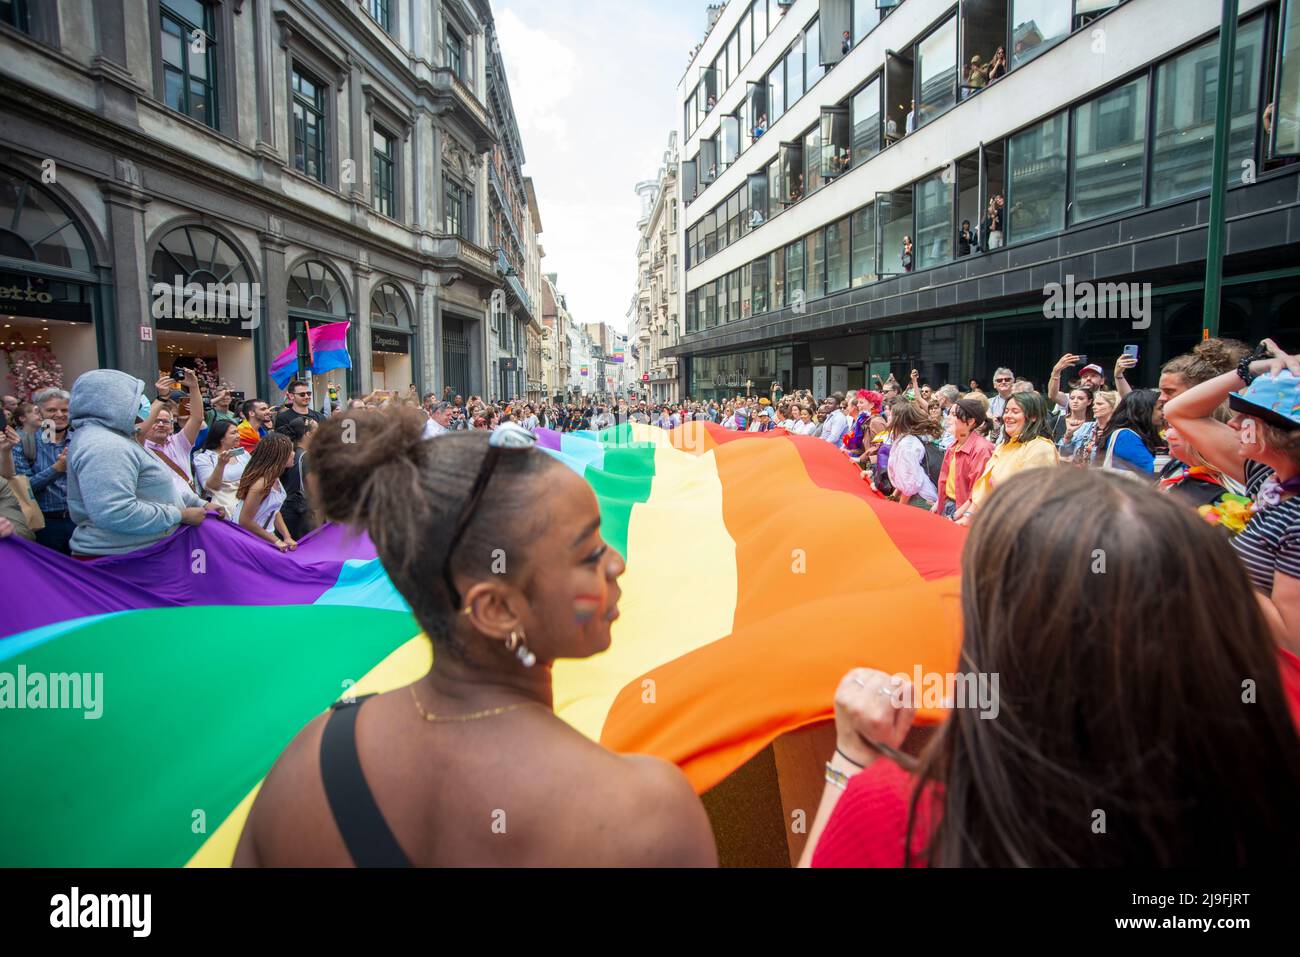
(470, 766)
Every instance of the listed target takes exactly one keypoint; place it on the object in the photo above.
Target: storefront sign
(509, 364)
(25, 294)
(224, 309)
(390, 341)
(36, 297)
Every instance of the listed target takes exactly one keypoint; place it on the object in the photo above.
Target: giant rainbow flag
(760, 568)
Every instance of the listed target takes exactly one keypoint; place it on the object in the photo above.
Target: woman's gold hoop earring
(516, 644)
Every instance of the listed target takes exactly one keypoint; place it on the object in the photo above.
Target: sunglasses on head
(507, 437)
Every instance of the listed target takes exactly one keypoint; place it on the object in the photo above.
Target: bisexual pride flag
(760, 569)
(329, 350)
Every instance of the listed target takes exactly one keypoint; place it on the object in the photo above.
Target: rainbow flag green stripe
(196, 705)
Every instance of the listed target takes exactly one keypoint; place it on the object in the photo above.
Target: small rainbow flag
(328, 344)
(741, 610)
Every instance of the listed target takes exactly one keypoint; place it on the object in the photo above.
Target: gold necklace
(463, 718)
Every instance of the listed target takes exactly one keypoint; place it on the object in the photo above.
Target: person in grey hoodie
(121, 497)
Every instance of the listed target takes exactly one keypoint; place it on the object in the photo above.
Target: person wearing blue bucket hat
(1259, 447)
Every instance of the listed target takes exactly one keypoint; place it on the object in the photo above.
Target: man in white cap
(1091, 376)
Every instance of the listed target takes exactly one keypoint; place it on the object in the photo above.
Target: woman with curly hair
(261, 495)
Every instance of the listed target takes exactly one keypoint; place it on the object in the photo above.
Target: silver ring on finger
(858, 681)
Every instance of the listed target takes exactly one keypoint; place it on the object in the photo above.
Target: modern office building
(312, 161)
(820, 135)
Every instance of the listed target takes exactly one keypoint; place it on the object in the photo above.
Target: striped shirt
(49, 486)
(1271, 541)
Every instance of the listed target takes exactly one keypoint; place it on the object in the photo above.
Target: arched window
(314, 287)
(198, 255)
(388, 307)
(35, 228)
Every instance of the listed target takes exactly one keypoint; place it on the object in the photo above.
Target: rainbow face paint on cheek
(585, 607)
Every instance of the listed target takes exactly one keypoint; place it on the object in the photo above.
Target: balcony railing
(449, 90)
(514, 285)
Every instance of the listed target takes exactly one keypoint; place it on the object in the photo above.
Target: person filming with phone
(1091, 376)
(173, 448)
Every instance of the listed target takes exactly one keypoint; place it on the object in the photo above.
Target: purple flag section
(548, 439)
(216, 563)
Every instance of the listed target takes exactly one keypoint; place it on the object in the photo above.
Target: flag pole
(1219, 175)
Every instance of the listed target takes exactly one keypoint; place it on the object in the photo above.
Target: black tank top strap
(360, 822)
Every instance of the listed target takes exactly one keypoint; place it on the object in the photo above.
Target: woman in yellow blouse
(1028, 445)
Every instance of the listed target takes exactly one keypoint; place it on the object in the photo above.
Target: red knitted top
(868, 827)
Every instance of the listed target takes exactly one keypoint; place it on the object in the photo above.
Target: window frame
(325, 90)
(391, 161)
(464, 204)
(381, 12)
(222, 78)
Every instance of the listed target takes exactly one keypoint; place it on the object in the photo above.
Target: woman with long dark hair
(1099, 746)
(219, 464)
(1129, 440)
(470, 765)
(1079, 423)
(261, 495)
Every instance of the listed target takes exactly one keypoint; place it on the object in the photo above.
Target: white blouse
(907, 469)
(205, 463)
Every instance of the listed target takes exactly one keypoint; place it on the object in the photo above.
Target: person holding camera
(171, 447)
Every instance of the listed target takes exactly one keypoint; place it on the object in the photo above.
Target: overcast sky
(594, 88)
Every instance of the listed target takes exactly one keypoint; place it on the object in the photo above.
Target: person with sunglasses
(298, 397)
(470, 765)
(1004, 381)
